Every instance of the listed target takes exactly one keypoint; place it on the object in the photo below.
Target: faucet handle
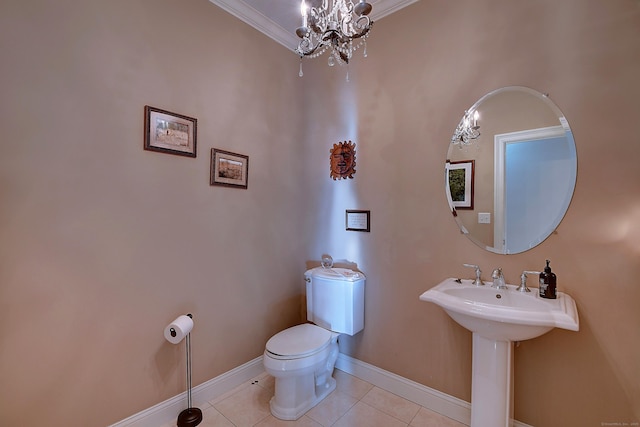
(478, 280)
(523, 281)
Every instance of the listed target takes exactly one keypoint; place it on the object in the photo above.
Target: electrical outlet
(484, 218)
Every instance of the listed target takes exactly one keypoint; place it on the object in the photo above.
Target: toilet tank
(335, 299)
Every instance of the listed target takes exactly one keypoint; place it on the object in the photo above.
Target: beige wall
(102, 243)
(426, 64)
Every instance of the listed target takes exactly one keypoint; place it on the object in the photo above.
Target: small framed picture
(358, 220)
(229, 169)
(460, 183)
(169, 132)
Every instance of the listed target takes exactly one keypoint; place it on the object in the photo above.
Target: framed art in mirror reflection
(460, 178)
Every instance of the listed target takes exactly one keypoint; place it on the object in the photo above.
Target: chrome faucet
(523, 281)
(478, 281)
(498, 279)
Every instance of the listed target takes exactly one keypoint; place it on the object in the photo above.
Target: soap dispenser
(547, 283)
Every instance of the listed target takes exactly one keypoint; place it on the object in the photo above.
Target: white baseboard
(164, 412)
(432, 399)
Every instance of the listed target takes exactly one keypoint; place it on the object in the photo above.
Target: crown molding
(288, 39)
(260, 22)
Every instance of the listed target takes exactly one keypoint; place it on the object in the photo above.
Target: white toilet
(302, 357)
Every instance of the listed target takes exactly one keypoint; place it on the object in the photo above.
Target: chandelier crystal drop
(337, 26)
(467, 130)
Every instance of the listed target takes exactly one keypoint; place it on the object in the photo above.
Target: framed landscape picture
(460, 180)
(169, 132)
(229, 169)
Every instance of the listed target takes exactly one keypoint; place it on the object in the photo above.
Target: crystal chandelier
(337, 25)
(467, 130)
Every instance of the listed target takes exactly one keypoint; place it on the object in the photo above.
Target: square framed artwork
(229, 169)
(460, 181)
(169, 132)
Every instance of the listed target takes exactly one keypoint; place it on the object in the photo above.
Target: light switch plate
(484, 218)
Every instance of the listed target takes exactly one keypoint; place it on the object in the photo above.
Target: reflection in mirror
(523, 175)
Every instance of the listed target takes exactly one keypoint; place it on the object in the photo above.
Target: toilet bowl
(302, 358)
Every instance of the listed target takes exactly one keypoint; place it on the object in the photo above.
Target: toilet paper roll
(178, 329)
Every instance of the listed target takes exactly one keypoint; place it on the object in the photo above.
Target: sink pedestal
(491, 383)
(498, 318)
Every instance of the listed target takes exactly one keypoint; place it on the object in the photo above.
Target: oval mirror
(511, 170)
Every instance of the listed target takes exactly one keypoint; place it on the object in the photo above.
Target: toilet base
(286, 412)
(300, 384)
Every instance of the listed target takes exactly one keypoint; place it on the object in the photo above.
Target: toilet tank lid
(299, 340)
(335, 273)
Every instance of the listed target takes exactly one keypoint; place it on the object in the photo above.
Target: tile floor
(354, 403)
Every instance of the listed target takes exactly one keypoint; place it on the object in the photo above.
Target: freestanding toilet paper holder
(189, 417)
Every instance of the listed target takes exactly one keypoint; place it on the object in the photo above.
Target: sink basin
(505, 314)
(497, 318)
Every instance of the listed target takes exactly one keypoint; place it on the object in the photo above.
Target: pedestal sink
(497, 318)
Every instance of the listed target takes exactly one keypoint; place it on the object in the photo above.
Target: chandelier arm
(334, 10)
(318, 20)
(302, 50)
(362, 34)
(363, 22)
(307, 52)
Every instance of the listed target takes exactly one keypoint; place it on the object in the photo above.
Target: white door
(531, 187)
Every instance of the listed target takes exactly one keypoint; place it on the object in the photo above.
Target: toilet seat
(298, 342)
